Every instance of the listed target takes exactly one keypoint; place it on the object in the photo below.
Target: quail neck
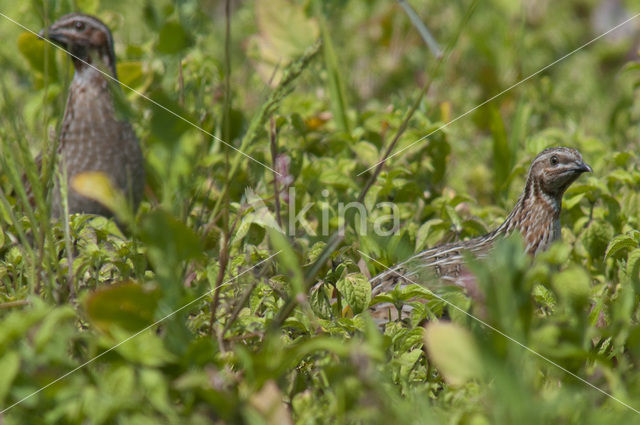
(93, 136)
(536, 215)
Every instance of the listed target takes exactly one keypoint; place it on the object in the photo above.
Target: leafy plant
(239, 293)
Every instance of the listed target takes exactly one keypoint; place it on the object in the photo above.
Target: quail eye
(554, 160)
(79, 25)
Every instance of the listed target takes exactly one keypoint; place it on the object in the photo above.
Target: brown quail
(93, 136)
(536, 216)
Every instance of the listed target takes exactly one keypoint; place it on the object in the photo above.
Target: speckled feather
(536, 216)
(93, 137)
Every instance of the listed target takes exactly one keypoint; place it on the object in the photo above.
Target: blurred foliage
(181, 316)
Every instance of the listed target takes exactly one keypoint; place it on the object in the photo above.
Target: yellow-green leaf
(97, 185)
(454, 352)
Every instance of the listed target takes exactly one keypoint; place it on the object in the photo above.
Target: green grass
(268, 339)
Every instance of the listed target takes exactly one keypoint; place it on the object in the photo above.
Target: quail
(94, 135)
(536, 216)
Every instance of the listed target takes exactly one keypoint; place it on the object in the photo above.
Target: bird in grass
(94, 135)
(536, 216)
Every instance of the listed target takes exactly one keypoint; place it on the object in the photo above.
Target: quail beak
(56, 36)
(582, 167)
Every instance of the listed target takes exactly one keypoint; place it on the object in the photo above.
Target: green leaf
(438, 150)
(156, 387)
(314, 252)
(356, 290)
(88, 6)
(412, 339)
(165, 126)
(127, 305)
(51, 326)
(16, 324)
(596, 238)
(519, 124)
(120, 382)
(407, 360)
(337, 91)
(285, 25)
(259, 213)
(501, 151)
(623, 306)
(425, 231)
(454, 352)
(173, 38)
(543, 296)
(619, 243)
(285, 32)
(320, 302)
(145, 349)
(572, 285)
(546, 337)
(366, 152)
(168, 240)
(288, 258)
(10, 366)
(38, 53)
(453, 216)
(633, 264)
(621, 176)
(571, 201)
(132, 74)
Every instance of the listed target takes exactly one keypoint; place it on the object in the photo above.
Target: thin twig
(180, 85)
(67, 233)
(239, 306)
(223, 260)
(11, 304)
(243, 300)
(224, 250)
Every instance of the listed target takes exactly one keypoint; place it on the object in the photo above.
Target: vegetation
(232, 296)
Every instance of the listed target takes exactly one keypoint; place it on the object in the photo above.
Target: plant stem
(224, 249)
(274, 154)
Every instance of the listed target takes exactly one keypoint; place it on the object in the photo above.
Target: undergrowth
(238, 292)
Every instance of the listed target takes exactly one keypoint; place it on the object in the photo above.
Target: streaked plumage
(536, 216)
